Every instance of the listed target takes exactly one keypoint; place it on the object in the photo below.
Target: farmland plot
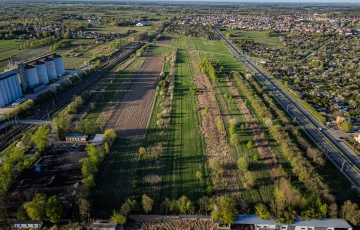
(132, 114)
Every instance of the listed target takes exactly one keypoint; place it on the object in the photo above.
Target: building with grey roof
(298, 224)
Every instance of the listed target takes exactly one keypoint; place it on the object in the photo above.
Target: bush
(234, 139)
(219, 126)
(250, 144)
(242, 164)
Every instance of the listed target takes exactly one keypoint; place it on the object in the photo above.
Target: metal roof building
(299, 224)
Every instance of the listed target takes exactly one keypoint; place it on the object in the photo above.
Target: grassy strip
(186, 145)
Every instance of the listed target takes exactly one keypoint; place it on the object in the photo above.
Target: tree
(223, 209)
(147, 203)
(262, 211)
(249, 180)
(199, 175)
(333, 210)
(36, 207)
(204, 203)
(165, 205)
(142, 150)
(206, 110)
(185, 205)
(40, 137)
(242, 164)
(250, 144)
(89, 181)
(109, 135)
(83, 206)
(346, 126)
(66, 35)
(350, 212)
(118, 218)
(54, 209)
(21, 213)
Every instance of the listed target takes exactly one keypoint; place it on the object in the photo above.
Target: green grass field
(186, 145)
(258, 36)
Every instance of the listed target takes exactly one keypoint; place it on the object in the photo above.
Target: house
(76, 137)
(142, 23)
(103, 225)
(98, 139)
(299, 224)
(28, 224)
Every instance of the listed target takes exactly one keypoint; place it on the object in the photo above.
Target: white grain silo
(41, 72)
(31, 76)
(18, 88)
(11, 88)
(15, 89)
(7, 89)
(3, 96)
(59, 65)
(50, 68)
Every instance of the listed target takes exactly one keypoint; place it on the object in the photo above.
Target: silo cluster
(9, 87)
(29, 76)
(43, 70)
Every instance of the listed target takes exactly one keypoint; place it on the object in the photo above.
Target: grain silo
(31, 76)
(17, 84)
(41, 72)
(59, 65)
(50, 68)
(15, 89)
(7, 89)
(3, 95)
(11, 89)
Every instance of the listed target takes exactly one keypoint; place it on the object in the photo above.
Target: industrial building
(29, 77)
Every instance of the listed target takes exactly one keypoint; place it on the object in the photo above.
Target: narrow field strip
(132, 114)
(186, 147)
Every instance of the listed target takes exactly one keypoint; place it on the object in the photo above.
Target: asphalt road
(338, 152)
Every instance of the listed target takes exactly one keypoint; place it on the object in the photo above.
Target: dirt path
(216, 144)
(164, 42)
(261, 143)
(132, 114)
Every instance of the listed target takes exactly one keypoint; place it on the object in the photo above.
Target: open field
(272, 41)
(186, 145)
(120, 29)
(132, 114)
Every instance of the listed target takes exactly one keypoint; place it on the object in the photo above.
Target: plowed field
(132, 114)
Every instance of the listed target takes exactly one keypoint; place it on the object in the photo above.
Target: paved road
(339, 153)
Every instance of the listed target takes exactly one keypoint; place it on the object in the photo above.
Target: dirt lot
(164, 42)
(132, 114)
(56, 161)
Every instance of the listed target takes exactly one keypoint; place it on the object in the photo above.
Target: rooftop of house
(332, 223)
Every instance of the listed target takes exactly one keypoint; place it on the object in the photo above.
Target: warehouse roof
(98, 139)
(76, 135)
(331, 223)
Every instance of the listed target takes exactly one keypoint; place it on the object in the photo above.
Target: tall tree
(147, 203)
(36, 207)
(54, 209)
(118, 218)
(224, 210)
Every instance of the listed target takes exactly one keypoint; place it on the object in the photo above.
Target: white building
(28, 224)
(298, 224)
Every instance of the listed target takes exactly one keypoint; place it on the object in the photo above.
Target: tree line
(222, 208)
(289, 202)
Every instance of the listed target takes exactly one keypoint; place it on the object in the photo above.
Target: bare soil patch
(152, 179)
(164, 42)
(216, 144)
(56, 161)
(261, 143)
(132, 114)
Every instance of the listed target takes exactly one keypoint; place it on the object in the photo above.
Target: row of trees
(34, 43)
(221, 208)
(14, 157)
(286, 210)
(40, 208)
(60, 45)
(96, 155)
(11, 114)
(205, 66)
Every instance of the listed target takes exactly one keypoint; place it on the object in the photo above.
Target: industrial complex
(29, 77)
